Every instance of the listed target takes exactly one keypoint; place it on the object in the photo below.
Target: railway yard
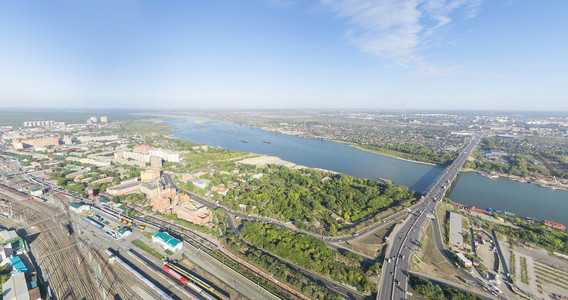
(68, 265)
(74, 258)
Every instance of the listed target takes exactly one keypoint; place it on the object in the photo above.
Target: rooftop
(18, 265)
(167, 238)
(456, 234)
(76, 204)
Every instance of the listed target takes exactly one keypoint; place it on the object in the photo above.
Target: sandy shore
(263, 160)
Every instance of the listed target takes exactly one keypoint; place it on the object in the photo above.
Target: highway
(393, 282)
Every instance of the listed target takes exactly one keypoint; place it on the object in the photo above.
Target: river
(470, 188)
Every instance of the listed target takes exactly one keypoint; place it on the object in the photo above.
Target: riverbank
(530, 180)
(354, 145)
(385, 154)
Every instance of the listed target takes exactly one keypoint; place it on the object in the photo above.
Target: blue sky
(355, 54)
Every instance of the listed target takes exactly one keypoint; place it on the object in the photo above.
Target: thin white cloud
(397, 29)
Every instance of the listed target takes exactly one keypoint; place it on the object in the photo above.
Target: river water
(470, 188)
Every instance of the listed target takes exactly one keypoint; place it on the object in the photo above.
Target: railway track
(61, 260)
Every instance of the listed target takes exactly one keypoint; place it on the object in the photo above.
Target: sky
(284, 54)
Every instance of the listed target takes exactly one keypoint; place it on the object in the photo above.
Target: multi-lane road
(405, 241)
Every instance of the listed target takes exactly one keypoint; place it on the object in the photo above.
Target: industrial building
(124, 188)
(79, 207)
(167, 241)
(456, 234)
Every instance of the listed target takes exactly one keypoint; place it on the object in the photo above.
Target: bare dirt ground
(486, 253)
(373, 243)
(430, 262)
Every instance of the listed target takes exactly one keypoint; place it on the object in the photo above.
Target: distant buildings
(67, 140)
(104, 119)
(43, 142)
(39, 123)
(146, 158)
(102, 138)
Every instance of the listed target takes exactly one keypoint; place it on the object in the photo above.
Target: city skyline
(279, 54)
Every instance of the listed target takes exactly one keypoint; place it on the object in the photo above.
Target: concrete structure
(124, 188)
(149, 175)
(170, 157)
(150, 189)
(67, 140)
(456, 230)
(79, 207)
(167, 241)
(39, 123)
(161, 202)
(141, 157)
(155, 162)
(195, 213)
(104, 119)
(93, 119)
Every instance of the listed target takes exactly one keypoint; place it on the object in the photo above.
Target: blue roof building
(18, 265)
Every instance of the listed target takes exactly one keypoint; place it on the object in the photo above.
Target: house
(466, 262)
(223, 191)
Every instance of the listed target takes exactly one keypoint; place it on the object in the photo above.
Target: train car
(192, 277)
(94, 223)
(175, 274)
